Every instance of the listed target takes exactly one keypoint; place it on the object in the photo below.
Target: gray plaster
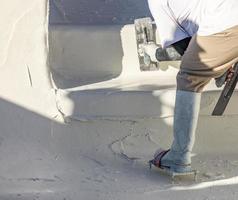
(45, 154)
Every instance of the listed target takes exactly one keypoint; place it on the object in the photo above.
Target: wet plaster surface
(113, 165)
(43, 157)
(105, 159)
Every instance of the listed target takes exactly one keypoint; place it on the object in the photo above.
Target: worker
(205, 33)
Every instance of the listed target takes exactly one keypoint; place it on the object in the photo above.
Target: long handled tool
(226, 93)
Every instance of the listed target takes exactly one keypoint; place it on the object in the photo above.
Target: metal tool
(145, 33)
(226, 93)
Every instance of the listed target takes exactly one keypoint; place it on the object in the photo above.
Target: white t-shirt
(179, 19)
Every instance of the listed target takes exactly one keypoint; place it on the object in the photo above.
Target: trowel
(145, 33)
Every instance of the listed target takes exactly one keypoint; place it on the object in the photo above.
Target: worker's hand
(150, 50)
(230, 74)
(225, 77)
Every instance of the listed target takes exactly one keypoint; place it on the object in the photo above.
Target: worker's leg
(206, 58)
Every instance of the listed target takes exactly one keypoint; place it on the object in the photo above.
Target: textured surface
(45, 155)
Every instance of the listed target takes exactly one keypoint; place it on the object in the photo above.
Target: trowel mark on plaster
(35, 179)
(29, 75)
(93, 160)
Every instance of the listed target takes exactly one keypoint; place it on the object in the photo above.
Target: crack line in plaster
(35, 179)
(57, 103)
(93, 160)
(132, 119)
(122, 152)
(29, 75)
(150, 138)
(13, 31)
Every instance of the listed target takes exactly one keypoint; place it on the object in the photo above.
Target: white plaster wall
(24, 77)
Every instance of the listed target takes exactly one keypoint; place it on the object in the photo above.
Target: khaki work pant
(207, 57)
